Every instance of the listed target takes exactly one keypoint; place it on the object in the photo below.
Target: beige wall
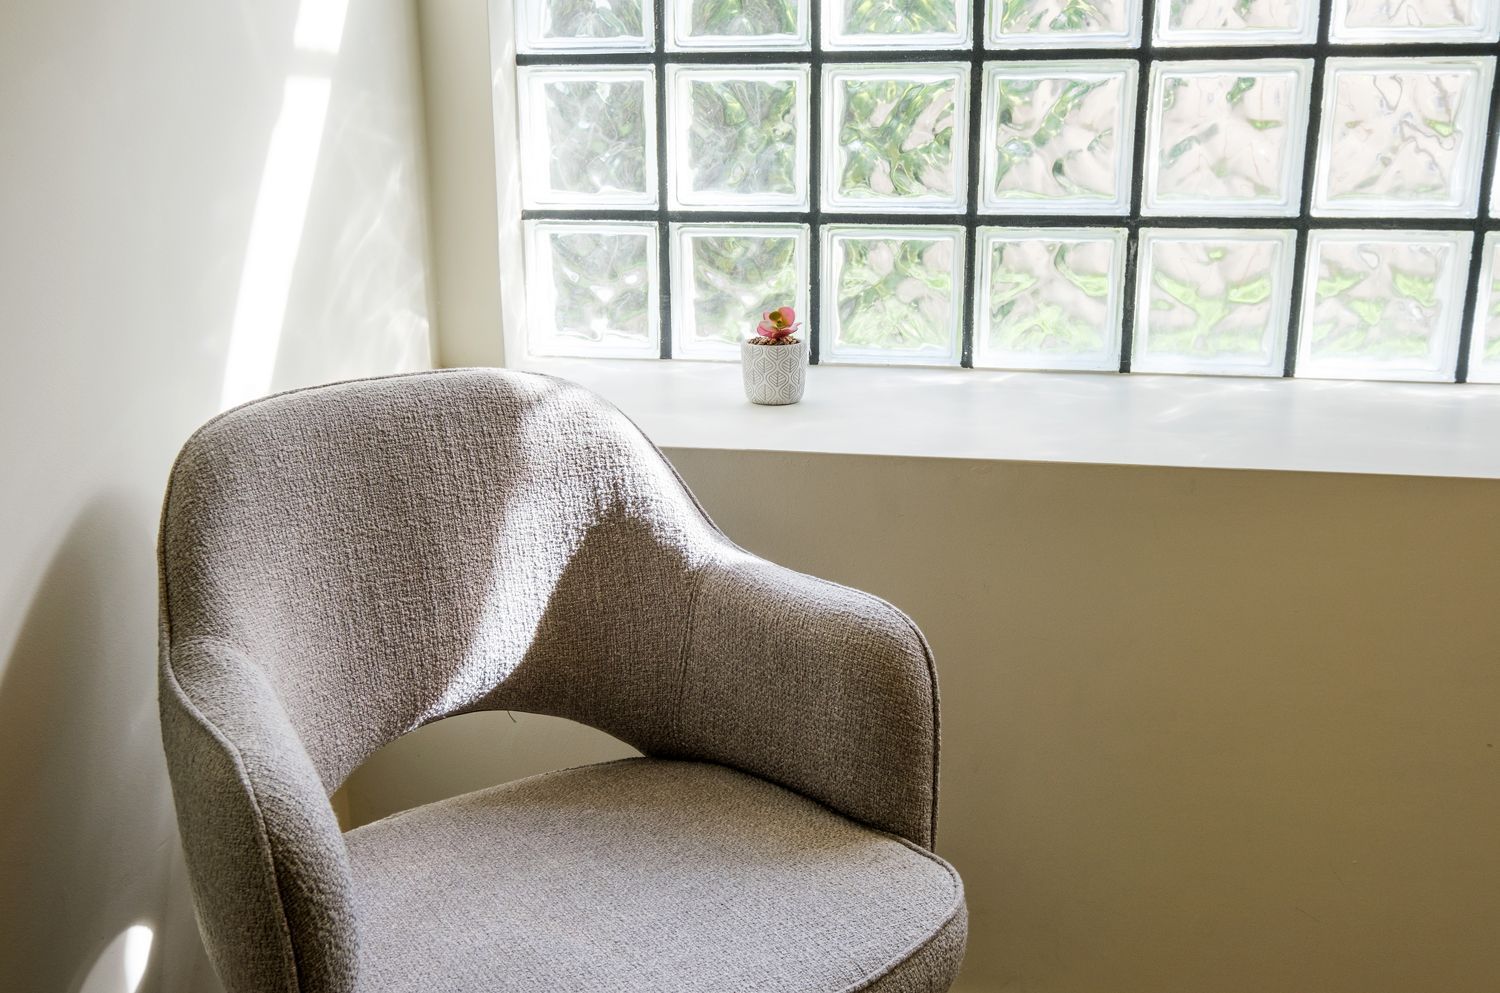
(1213, 731)
(181, 218)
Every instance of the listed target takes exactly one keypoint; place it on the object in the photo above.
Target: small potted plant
(774, 359)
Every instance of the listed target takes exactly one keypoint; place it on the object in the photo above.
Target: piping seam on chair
(931, 665)
(937, 730)
(685, 653)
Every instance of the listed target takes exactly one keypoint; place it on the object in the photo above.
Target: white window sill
(1273, 424)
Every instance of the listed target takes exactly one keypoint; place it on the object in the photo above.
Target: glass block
(1213, 301)
(1226, 138)
(706, 25)
(895, 137)
(891, 294)
(725, 276)
(584, 25)
(1058, 137)
(592, 288)
(590, 137)
(1063, 24)
(1484, 345)
(739, 137)
(1402, 137)
(1049, 299)
(1235, 22)
(1377, 22)
(1383, 304)
(896, 24)
(1495, 186)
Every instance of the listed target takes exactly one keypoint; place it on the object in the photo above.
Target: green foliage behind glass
(895, 294)
(594, 19)
(880, 118)
(1388, 314)
(598, 136)
(901, 17)
(744, 136)
(738, 278)
(744, 17)
(1030, 17)
(1244, 9)
(1026, 317)
(1207, 333)
(1022, 135)
(601, 286)
(1492, 343)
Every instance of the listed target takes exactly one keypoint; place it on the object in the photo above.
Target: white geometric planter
(774, 374)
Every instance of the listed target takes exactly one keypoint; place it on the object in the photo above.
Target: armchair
(344, 564)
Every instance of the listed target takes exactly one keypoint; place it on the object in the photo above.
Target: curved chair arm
(825, 690)
(270, 872)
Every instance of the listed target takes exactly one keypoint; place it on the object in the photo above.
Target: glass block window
(1050, 300)
(725, 271)
(1057, 137)
(1213, 300)
(1384, 304)
(1209, 187)
(592, 289)
(893, 293)
(1226, 139)
(1484, 356)
(899, 138)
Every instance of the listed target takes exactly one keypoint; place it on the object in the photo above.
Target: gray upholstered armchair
(342, 565)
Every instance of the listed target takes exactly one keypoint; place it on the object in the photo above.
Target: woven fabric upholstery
(647, 876)
(344, 564)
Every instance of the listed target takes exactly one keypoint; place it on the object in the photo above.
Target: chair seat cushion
(648, 875)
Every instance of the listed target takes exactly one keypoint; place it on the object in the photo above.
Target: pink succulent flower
(778, 324)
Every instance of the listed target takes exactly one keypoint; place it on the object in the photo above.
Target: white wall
(183, 221)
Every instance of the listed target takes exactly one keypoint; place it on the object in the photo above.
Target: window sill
(1272, 424)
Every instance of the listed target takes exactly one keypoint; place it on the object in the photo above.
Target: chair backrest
(343, 564)
(393, 551)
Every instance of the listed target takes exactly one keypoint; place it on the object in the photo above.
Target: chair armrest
(825, 690)
(269, 867)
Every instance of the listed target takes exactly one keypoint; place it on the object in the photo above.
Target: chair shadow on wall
(88, 850)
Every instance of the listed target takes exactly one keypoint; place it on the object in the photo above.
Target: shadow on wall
(82, 849)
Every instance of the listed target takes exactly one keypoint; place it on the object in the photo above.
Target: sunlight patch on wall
(320, 26)
(275, 234)
(281, 211)
(122, 965)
